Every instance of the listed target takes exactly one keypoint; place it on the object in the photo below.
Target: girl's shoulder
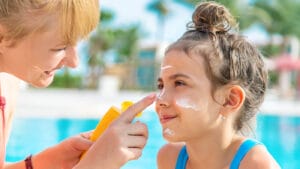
(259, 157)
(168, 154)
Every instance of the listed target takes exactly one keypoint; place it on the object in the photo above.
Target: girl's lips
(166, 118)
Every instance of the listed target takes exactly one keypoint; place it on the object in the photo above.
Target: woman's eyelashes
(59, 49)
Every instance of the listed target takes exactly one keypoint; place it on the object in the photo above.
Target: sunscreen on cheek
(187, 104)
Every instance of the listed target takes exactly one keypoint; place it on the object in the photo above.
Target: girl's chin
(169, 134)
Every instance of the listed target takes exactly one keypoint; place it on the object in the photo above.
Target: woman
(36, 39)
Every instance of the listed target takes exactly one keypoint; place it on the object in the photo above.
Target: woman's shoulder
(168, 154)
(259, 157)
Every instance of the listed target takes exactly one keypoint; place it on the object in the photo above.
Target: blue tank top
(235, 163)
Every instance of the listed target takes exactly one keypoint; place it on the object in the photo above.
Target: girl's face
(185, 105)
(36, 57)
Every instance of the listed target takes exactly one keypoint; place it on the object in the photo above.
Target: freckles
(187, 103)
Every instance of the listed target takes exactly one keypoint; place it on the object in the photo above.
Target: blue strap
(182, 159)
(243, 150)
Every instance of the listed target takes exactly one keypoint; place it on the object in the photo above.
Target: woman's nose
(71, 59)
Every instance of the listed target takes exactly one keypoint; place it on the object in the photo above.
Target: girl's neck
(213, 151)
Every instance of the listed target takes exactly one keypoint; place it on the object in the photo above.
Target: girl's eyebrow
(177, 75)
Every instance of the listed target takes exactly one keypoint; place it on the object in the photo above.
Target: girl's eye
(179, 83)
(160, 86)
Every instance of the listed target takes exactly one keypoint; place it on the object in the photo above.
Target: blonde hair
(22, 17)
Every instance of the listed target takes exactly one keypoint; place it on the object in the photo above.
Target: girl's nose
(162, 99)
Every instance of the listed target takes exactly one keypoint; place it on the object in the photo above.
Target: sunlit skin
(183, 78)
(191, 114)
(37, 56)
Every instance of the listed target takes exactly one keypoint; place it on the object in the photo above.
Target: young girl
(212, 82)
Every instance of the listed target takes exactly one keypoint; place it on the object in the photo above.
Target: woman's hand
(122, 141)
(64, 155)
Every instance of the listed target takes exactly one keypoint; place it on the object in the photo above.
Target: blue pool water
(280, 134)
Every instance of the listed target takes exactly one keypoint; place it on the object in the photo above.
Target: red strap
(2, 108)
(28, 162)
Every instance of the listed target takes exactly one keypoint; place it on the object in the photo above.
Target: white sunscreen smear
(168, 131)
(159, 95)
(187, 104)
(165, 67)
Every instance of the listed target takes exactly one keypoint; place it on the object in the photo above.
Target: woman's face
(36, 57)
(185, 105)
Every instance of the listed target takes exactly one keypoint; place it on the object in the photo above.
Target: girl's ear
(234, 99)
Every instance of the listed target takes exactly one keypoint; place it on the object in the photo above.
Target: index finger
(139, 106)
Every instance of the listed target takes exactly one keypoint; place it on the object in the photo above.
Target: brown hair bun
(212, 17)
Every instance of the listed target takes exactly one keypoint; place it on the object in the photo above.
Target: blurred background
(120, 61)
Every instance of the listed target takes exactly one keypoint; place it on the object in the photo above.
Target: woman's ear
(234, 99)
(2, 32)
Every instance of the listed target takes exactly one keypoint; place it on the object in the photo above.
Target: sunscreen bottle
(112, 113)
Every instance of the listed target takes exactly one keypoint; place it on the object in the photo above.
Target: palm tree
(279, 17)
(282, 18)
(160, 8)
(123, 41)
(99, 42)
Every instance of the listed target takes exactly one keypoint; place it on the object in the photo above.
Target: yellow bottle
(112, 113)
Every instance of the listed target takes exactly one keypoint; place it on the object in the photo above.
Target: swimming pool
(280, 134)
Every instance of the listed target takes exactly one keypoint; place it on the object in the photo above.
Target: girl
(212, 82)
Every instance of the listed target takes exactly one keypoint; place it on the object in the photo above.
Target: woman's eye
(179, 83)
(59, 49)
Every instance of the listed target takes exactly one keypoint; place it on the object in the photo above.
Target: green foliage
(121, 40)
(281, 17)
(106, 16)
(160, 7)
(273, 78)
(66, 80)
(270, 50)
